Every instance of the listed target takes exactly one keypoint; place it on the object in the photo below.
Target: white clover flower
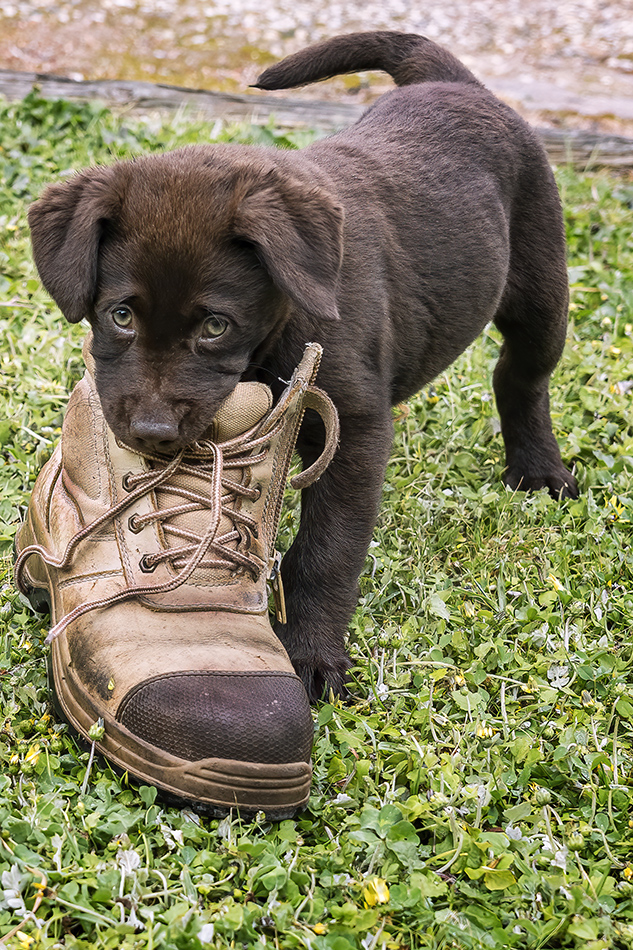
(12, 891)
(340, 879)
(560, 859)
(206, 933)
(134, 921)
(483, 795)
(558, 676)
(128, 861)
(174, 838)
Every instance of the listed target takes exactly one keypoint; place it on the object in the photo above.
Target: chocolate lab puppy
(392, 243)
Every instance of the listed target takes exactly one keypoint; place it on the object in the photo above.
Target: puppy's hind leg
(533, 318)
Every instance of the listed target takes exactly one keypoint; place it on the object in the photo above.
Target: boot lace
(211, 464)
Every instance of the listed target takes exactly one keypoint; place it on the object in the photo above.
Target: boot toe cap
(261, 717)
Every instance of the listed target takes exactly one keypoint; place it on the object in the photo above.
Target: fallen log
(576, 147)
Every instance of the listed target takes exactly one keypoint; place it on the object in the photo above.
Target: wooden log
(148, 96)
(587, 150)
(579, 148)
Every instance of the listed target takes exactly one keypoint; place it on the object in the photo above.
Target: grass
(478, 793)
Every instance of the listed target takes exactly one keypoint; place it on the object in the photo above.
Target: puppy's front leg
(320, 571)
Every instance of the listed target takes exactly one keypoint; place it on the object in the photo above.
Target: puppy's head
(187, 265)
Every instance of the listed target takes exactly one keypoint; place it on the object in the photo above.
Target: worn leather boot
(155, 571)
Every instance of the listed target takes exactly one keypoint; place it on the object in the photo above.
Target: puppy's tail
(406, 57)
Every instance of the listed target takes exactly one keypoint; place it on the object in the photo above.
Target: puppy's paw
(560, 483)
(320, 676)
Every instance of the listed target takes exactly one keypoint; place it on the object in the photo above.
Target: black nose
(161, 435)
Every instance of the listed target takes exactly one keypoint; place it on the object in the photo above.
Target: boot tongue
(244, 408)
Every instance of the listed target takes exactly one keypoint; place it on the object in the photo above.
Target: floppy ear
(66, 226)
(297, 230)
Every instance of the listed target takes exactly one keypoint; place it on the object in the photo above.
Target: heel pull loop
(302, 392)
(316, 399)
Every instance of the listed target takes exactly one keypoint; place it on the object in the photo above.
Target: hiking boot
(155, 570)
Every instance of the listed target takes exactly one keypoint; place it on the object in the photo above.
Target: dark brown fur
(392, 243)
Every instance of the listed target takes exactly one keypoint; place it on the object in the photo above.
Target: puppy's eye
(122, 316)
(213, 327)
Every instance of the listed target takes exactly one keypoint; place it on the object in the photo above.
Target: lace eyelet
(134, 524)
(125, 481)
(258, 490)
(146, 567)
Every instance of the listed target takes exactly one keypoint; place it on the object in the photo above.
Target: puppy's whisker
(264, 369)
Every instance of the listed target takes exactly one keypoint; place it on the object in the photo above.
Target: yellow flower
(320, 928)
(375, 892)
(484, 731)
(32, 755)
(627, 873)
(24, 939)
(614, 503)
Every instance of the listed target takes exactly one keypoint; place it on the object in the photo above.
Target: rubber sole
(209, 786)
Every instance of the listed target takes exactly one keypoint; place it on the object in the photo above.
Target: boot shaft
(194, 532)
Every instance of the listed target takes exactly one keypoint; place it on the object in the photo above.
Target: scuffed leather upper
(193, 668)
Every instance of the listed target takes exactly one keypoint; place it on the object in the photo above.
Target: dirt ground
(567, 63)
